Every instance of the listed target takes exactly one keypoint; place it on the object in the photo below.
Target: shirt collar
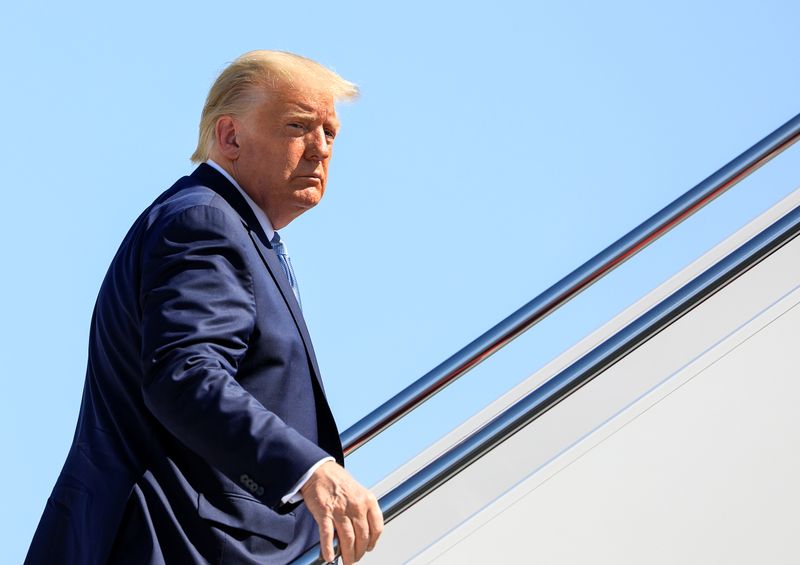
(261, 216)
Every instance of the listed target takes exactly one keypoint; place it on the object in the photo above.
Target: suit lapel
(210, 177)
(279, 276)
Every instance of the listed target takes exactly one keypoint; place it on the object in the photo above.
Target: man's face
(286, 141)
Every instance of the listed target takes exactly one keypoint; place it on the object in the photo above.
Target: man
(204, 435)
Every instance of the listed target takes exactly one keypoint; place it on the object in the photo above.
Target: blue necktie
(286, 263)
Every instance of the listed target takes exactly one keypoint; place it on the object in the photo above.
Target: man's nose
(318, 147)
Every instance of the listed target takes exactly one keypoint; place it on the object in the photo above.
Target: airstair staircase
(671, 434)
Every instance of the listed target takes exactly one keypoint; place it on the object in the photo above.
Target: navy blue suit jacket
(203, 403)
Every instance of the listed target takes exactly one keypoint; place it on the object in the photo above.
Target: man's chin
(309, 196)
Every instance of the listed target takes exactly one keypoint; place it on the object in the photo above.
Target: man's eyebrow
(300, 115)
(310, 116)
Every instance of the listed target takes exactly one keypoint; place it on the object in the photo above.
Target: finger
(326, 540)
(344, 531)
(375, 519)
(361, 537)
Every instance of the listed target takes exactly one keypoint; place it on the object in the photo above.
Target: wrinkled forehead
(298, 97)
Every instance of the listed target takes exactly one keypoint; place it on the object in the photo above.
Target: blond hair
(240, 84)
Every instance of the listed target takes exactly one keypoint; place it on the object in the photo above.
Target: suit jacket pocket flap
(248, 515)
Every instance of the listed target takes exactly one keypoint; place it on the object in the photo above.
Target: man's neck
(262, 217)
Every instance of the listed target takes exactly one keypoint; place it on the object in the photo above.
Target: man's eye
(330, 133)
(295, 125)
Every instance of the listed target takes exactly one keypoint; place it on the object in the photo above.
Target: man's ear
(226, 137)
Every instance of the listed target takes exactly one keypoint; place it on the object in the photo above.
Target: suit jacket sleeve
(198, 315)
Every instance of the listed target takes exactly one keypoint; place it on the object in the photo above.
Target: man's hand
(339, 503)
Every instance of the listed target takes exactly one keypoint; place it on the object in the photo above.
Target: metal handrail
(582, 371)
(570, 286)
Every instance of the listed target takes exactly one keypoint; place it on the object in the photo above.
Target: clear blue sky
(496, 146)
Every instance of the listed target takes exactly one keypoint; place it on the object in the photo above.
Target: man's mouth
(315, 177)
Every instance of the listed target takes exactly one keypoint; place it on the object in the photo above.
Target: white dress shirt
(294, 495)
